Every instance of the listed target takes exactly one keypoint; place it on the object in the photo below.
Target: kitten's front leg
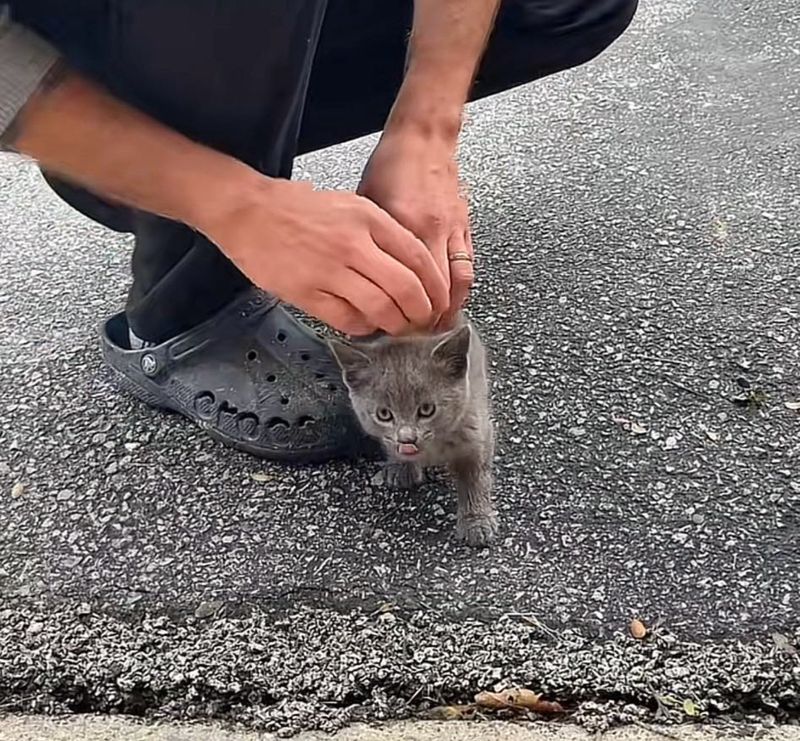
(476, 516)
(403, 475)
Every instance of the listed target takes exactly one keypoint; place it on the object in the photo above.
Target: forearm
(75, 129)
(447, 41)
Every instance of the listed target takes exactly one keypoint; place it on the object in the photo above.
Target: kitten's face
(409, 393)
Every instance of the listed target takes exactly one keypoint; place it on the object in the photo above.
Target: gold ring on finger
(460, 256)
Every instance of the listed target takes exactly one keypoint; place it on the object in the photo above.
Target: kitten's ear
(452, 352)
(353, 362)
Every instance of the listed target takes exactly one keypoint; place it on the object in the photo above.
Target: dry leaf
(451, 712)
(17, 490)
(638, 629)
(260, 477)
(690, 709)
(548, 707)
(517, 699)
(505, 699)
(793, 405)
(638, 429)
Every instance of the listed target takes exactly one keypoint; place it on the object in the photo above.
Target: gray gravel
(639, 286)
(323, 669)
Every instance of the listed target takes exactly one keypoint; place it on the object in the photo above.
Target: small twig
(679, 385)
(300, 588)
(413, 697)
(662, 711)
(123, 588)
(322, 565)
(669, 361)
(657, 731)
(531, 619)
(16, 703)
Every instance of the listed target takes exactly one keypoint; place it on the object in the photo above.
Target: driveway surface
(637, 224)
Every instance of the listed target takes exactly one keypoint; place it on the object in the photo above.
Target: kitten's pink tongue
(407, 449)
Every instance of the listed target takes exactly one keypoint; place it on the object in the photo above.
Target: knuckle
(347, 248)
(421, 256)
(368, 209)
(432, 223)
(418, 260)
(408, 291)
(389, 318)
(380, 306)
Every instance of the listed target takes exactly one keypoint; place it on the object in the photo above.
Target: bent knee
(568, 17)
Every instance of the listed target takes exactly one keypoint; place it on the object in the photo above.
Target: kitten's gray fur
(402, 375)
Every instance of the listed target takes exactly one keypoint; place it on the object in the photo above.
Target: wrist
(217, 191)
(427, 109)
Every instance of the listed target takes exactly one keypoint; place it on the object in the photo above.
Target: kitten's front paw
(477, 531)
(403, 475)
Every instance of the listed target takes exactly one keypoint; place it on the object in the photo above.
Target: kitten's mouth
(407, 450)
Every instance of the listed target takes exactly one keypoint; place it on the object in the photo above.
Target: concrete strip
(89, 728)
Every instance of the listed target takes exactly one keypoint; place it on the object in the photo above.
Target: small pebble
(637, 629)
(208, 608)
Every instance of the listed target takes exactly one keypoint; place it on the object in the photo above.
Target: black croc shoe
(252, 376)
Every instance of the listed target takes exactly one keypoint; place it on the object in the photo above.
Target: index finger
(402, 245)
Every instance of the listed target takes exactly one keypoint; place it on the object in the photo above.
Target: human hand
(415, 178)
(335, 255)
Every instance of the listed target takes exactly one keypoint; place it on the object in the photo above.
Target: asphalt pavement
(637, 224)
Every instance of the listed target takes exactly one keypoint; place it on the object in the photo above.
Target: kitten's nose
(406, 435)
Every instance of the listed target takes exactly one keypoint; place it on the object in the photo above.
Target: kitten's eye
(426, 410)
(384, 415)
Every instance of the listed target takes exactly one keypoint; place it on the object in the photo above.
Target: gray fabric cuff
(25, 60)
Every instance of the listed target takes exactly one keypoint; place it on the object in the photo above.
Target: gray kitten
(426, 399)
